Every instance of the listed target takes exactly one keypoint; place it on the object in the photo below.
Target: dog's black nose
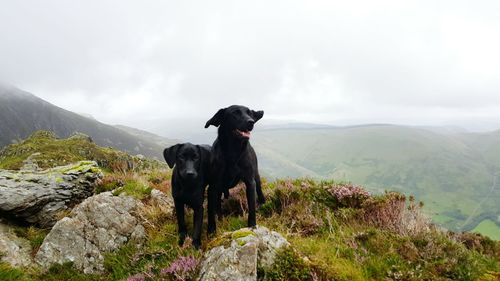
(250, 123)
(190, 174)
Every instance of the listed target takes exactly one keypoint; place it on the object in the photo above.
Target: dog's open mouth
(244, 134)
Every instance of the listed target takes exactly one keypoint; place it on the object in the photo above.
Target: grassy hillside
(22, 113)
(46, 150)
(453, 173)
(337, 231)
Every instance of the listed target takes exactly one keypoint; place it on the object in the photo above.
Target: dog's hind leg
(261, 199)
(250, 190)
(181, 224)
(219, 204)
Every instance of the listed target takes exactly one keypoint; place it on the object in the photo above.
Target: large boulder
(14, 250)
(100, 224)
(38, 197)
(238, 261)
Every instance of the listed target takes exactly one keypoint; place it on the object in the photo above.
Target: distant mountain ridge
(22, 113)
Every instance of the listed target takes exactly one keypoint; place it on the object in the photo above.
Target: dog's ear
(216, 120)
(257, 115)
(170, 155)
(205, 155)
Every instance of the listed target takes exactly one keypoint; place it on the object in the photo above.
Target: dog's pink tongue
(245, 134)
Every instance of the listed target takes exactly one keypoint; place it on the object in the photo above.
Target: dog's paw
(261, 201)
(197, 244)
(252, 224)
(182, 238)
(181, 242)
(211, 231)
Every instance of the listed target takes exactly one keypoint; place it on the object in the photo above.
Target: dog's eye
(238, 112)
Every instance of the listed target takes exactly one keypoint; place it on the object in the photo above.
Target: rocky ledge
(38, 197)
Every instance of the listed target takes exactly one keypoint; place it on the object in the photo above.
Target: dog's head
(237, 119)
(190, 160)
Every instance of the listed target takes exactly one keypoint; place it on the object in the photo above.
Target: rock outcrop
(248, 248)
(14, 250)
(100, 224)
(37, 197)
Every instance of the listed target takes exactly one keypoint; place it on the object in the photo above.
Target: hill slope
(452, 172)
(22, 113)
(336, 231)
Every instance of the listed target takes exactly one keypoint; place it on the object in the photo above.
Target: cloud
(321, 61)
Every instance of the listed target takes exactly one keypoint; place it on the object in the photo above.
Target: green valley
(452, 172)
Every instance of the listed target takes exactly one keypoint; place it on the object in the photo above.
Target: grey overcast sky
(337, 62)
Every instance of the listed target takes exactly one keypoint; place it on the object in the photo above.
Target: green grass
(134, 188)
(7, 273)
(488, 228)
(33, 234)
(288, 266)
(65, 272)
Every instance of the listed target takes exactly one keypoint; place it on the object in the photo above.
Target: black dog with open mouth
(189, 179)
(234, 160)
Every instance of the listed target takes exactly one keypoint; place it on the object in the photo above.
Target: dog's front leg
(251, 190)
(197, 223)
(212, 208)
(181, 224)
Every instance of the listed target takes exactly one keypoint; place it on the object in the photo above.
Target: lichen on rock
(247, 249)
(100, 224)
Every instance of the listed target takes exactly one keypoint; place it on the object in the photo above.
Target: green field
(452, 173)
(489, 228)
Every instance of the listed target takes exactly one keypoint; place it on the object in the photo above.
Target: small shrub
(348, 195)
(385, 211)
(182, 269)
(109, 183)
(291, 201)
(237, 203)
(160, 179)
(34, 235)
(477, 242)
(288, 266)
(134, 187)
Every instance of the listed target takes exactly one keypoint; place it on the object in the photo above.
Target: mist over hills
(22, 113)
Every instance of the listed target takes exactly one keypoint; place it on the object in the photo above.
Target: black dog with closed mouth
(189, 179)
(233, 160)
